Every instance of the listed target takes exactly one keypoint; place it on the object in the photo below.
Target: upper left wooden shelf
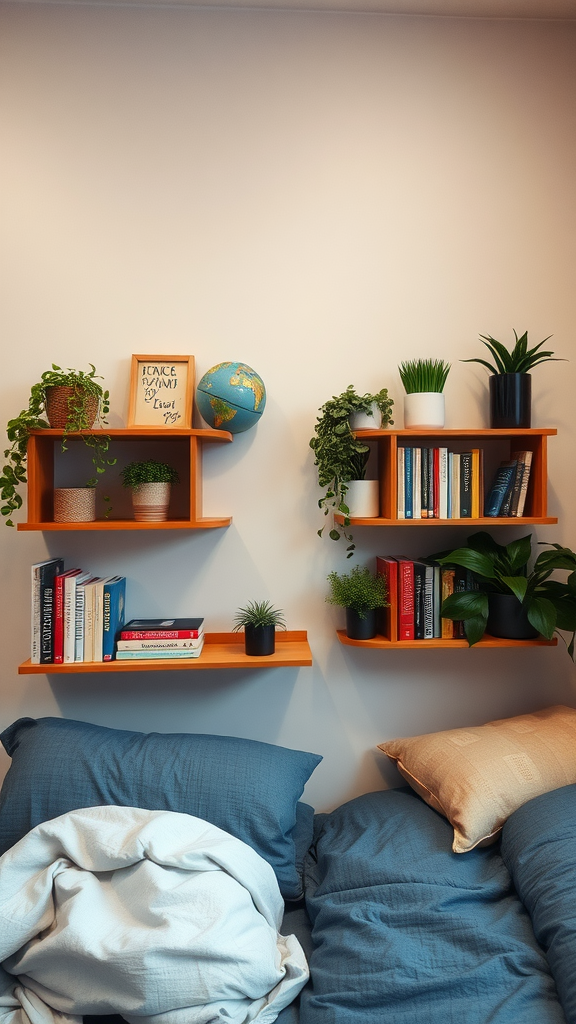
(184, 445)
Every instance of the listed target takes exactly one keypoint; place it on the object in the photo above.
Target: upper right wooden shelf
(496, 447)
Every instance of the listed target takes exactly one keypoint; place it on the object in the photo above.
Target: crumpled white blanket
(155, 915)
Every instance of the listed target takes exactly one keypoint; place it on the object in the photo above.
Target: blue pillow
(249, 789)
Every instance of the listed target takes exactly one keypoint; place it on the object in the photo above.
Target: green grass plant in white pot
(424, 381)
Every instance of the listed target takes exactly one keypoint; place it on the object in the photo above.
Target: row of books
(416, 589)
(435, 483)
(76, 615)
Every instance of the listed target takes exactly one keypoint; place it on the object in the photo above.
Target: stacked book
(76, 615)
(507, 495)
(160, 638)
(416, 589)
(434, 483)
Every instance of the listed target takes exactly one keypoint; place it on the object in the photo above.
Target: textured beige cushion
(476, 777)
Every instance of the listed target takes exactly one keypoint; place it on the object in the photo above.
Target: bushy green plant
(148, 472)
(423, 375)
(84, 387)
(520, 359)
(340, 455)
(258, 613)
(503, 569)
(359, 589)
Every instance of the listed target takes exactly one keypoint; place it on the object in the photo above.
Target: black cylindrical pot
(510, 399)
(358, 628)
(259, 640)
(507, 618)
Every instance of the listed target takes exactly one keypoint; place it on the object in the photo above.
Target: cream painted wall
(319, 195)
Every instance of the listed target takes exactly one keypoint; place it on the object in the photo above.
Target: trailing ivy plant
(84, 387)
(359, 589)
(340, 455)
(520, 359)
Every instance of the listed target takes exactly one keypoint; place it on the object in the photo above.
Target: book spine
(524, 486)
(58, 655)
(417, 484)
(79, 624)
(405, 600)
(443, 483)
(466, 485)
(408, 482)
(425, 483)
(158, 645)
(35, 617)
(47, 576)
(436, 483)
(429, 603)
(168, 655)
(419, 579)
(498, 489)
(160, 634)
(113, 617)
(447, 590)
(475, 504)
(430, 483)
(400, 513)
(456, 485)
(388, 568)
(69, 618)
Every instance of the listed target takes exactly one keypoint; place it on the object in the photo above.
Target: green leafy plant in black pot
(360, 592)
(511, 601)
(510, 380)
(259, 620)
(341, 455)
(63, 399)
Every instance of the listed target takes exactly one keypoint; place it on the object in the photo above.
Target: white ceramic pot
(74, 504)
(367, 420)
(424, 409)
(150, 502)
(363, 498)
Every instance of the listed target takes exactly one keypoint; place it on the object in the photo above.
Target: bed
(395, 924)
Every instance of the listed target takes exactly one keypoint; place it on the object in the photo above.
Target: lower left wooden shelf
(221, 650)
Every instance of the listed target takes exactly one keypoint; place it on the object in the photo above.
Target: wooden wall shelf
(221, 650)
(182, 446)
(381, 643)
(497, 446)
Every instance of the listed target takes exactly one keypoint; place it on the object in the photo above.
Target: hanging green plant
(71, 400)
(341, 455)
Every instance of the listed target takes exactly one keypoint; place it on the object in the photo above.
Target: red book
(59, 613)
(387, 567)
(405, 599)
(163, 629)
(436, 473)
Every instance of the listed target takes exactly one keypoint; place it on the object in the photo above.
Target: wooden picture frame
(161, 391)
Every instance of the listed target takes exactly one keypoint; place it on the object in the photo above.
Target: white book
(89, 604)
(69, 614)
(417, 483)
(456, 486)
(443, 488)
(154, 655)
(98, 618)
(79, 631)
(400, 509)
(159, 645)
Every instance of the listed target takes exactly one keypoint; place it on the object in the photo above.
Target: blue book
(408, 482)
(500, 486)
(114, 601)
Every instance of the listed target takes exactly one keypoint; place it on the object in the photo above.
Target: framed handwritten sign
(161, 391)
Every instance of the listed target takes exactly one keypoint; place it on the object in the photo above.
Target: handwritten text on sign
(161, 393)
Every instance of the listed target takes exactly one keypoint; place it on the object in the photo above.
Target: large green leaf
(473, 560)
(517, 584)
(475, 627)
(464, 605)
(542, 615)
(518, 552)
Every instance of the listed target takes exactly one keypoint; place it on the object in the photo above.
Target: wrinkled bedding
(407, 932)
(150, 914)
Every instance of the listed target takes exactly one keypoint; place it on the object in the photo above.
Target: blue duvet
(407, 932)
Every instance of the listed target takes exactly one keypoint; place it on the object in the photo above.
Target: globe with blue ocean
(231, 396)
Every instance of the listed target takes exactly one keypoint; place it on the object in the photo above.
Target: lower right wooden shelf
(381, 643)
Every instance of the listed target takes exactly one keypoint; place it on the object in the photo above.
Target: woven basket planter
(74, 504)
(57, 410)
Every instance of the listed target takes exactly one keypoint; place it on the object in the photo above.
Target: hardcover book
(519, 500)
(387, 567)
(155, 655)
(113, 605)
(504, 474)
(405, 599)
(466, 485)
(59, 581)
(43, 574)
(167, 629)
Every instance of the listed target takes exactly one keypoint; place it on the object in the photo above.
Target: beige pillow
(476, 777)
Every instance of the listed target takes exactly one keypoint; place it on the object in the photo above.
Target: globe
(231, 396)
